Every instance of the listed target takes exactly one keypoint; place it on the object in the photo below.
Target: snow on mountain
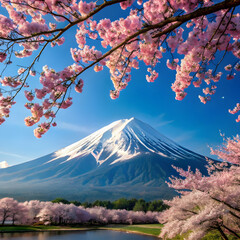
(123, 139)
(127, 158)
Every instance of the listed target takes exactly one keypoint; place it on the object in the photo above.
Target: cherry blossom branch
(231, 231)
(28, 72)
(224, 202)
(179, 19)
(138, 37)
(70, 25)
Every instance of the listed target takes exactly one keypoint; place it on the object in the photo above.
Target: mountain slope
(127, 154)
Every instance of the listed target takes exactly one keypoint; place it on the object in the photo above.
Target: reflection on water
(75, 235)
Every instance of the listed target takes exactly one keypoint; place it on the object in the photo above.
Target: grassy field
(155, 229)
(147, 229)
(41, 228)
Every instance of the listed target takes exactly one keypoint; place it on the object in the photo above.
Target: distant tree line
(122, 203)
(58, 213)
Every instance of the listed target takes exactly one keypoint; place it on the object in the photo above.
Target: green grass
(156, 225)
(216, 235)
(149, 229)
(39, 228)
(154, 229)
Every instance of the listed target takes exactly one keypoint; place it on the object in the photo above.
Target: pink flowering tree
(34, 207)
(59, 213)
(207, 202)
(35, 211)
(13, 211)
(107, 216)
(198, 32)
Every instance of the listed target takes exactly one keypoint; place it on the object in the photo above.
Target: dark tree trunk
(224, 236)
(3, 221)
(231, 231)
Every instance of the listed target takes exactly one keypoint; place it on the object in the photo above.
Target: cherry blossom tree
(63, 214)
(13, 211)
(5, 209)
(59, 213)
(105, 216)
(192, 36)
(34, 207)
(207, 202)
(19, 214)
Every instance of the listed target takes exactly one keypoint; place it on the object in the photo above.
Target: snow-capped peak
(122, 140)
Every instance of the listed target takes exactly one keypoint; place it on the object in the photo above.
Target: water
(75, 235)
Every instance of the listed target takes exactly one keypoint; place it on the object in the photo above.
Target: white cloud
(12, 155)
(75, 128)
(160, 121)
(4, 164)
(185, 136)
(163, 123)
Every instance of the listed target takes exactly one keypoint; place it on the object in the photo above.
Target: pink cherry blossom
(84, 7)
(114, 94)
(230, 77)
(79, 86)
(29, 95)
(204, 99)
(172, 65)
(11, 82)
(153, 75)
(180, 95)
(228, 67)
(190, 37)
(206, 202)
(3, 56)
(98, 68)
(33, 73)
(54, 124)
(66, 103)
(42, 129)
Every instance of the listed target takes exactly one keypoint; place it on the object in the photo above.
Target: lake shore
(143, 229)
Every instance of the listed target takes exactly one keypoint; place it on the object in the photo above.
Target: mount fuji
(127, 158)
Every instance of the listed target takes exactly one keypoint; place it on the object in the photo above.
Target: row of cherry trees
(207, 202)
(191, 36)
(57, 213)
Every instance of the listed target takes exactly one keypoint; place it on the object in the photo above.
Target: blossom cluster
(207, 202)
(148, 33)
(55, 85)
(236, 110)
(5, 105)
(35, 211)
(204, 40)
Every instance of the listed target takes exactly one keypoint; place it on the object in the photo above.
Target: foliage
(207, 202)
(61, 200)
(199, 32)
(57, 213)
(139, 206)
(122, 203)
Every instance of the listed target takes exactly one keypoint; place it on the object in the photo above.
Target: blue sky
(189, 122)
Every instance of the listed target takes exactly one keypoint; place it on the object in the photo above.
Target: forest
(122, 203)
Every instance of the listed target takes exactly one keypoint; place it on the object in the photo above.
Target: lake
(75, 235)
